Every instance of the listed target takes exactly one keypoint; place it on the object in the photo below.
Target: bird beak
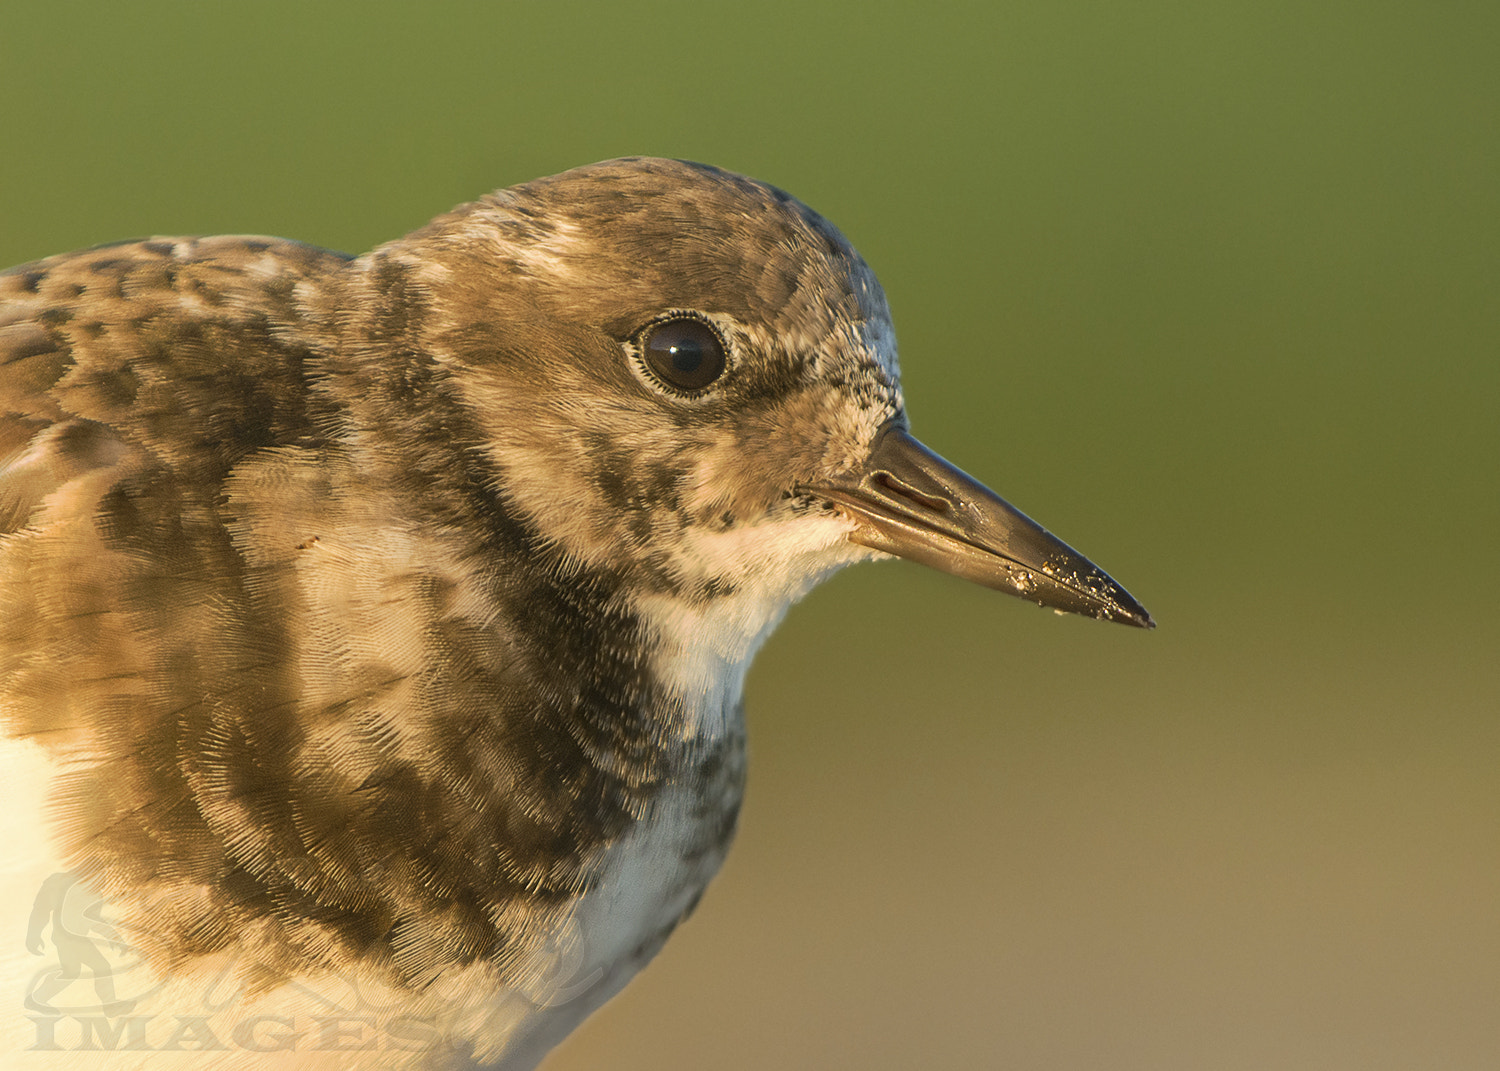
(908, 501)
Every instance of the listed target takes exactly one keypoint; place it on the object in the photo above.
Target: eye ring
(683, 353)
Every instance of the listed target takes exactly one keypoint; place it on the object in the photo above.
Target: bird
(373, 629)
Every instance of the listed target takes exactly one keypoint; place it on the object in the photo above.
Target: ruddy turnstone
(383, 621)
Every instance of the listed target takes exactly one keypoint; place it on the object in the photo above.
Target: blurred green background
(1213, 291)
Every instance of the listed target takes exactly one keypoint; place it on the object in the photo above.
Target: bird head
(689, 379)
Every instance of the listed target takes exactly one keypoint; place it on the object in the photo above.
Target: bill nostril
(889, 483)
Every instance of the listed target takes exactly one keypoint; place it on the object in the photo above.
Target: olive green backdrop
(1211, 290)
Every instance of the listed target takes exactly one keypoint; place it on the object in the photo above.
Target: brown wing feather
(133, 379)
(188, 351)
(302, 725)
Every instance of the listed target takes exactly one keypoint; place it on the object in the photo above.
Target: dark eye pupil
(687, 356)
(684, 353)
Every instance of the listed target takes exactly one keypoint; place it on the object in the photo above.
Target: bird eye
(684, 353)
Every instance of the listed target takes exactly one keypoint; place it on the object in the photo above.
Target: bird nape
(377, 626)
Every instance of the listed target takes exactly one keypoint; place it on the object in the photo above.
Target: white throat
(702, 650)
